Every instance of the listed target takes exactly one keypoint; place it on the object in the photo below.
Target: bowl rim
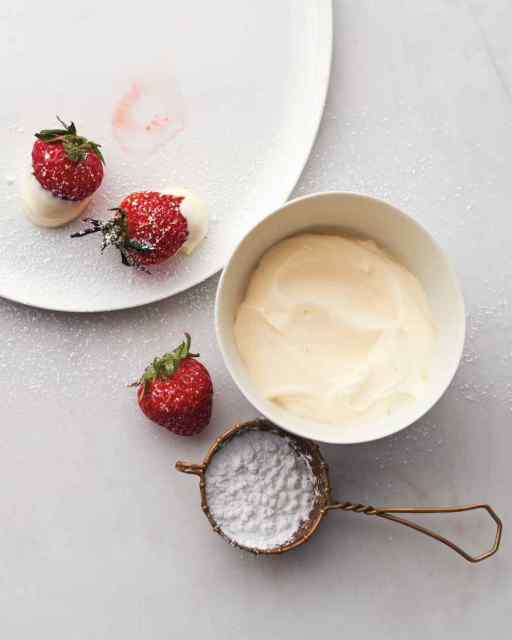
(337, 437)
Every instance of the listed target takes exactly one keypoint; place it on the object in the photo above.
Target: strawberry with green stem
(147, 228)
(66, 164)
(176, 391)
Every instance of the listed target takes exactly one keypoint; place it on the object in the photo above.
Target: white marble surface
(100, 538)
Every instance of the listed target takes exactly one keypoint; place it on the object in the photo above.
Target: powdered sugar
(259, 489)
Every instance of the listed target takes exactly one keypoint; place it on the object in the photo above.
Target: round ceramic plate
(223, 98)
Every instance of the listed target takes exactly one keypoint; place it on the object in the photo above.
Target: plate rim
(325, 53)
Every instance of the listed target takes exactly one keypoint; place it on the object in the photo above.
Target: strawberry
(66, 164)
(176, 391)
(147, 228)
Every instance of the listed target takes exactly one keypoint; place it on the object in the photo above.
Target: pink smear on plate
(148, 115)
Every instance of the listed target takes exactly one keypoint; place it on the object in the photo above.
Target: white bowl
(391, 229)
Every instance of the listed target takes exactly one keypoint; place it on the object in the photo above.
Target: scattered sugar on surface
(98, 354)
(259, 489)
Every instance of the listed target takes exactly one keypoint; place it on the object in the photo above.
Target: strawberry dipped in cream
(66, 171)
(149, 227)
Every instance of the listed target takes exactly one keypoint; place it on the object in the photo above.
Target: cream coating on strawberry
(66, 171)
(195, 212)
(45, 210)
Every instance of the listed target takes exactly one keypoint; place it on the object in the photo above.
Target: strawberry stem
(70, 128)
(165, 366)
(115, 234)
(76, 147)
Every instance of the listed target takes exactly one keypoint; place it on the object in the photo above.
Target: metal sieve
(324, 503)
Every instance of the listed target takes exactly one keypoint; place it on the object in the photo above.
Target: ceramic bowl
(394, 231)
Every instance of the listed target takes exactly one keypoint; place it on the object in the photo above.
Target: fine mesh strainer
(324, 502)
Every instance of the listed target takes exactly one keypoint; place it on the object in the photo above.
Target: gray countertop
(100, 537)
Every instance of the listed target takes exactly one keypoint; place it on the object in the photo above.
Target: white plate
(242, 85)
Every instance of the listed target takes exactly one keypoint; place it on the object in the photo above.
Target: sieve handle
(388, 514)
(189, 467)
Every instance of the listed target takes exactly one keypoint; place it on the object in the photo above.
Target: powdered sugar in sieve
(260, 490)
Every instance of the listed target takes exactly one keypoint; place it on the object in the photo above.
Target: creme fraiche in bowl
(339, 318)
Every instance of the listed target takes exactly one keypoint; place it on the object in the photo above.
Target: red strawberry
(148, 228)
(66, 164)
(176, 391)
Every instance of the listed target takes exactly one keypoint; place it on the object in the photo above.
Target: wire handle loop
(388, 514)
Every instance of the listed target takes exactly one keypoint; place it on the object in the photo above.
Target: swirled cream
(334, 329)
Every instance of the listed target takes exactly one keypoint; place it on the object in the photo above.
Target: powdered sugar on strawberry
(66, 171)
(176, 391)
(63, 177)
(155, 219)
(149, 227)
